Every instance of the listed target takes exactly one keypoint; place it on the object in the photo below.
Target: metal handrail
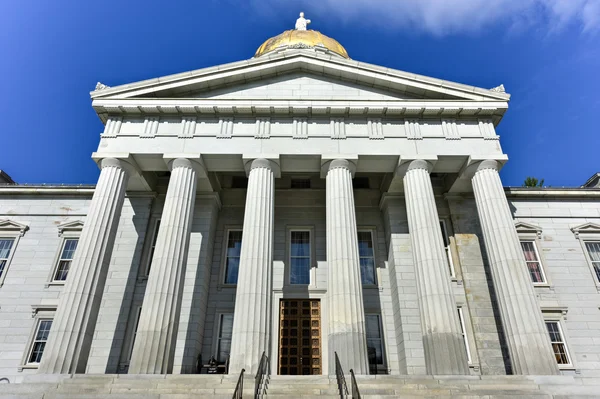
(239, 388)
(341, 380)
(355, 391)
(261, 373)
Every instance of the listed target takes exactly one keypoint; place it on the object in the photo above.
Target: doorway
(300, 337)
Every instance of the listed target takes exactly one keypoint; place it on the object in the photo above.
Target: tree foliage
(533, 182)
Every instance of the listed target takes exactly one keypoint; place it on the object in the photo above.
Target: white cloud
(441, 17)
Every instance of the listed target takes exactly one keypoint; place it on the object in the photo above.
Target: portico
(299, 197)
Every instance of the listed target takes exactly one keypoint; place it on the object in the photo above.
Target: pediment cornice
(295, 61)
(11, 225)
(586, 228)
(73, 226)
(524, 228)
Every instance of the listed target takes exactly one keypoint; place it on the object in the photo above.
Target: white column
(347, 335)
(252, 318)
(70, 339)
(442, 337)
(526, 335)
(157, 329)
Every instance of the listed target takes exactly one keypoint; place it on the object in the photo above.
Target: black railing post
(239, 388)
(341, 379)
(355, 391)
(263, 370)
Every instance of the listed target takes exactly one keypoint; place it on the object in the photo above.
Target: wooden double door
(300, 337)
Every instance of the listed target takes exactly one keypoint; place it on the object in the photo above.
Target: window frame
(12, 231)
(373, 232)
(588, 232)
(311, 262)
(463, 326)
(217, 331)
(533, 233)
(67, 231)
(561, 331)
(225, 241)
(39, 313)
(589, 258)
(543, 283)
(448, 249)
(383, 366)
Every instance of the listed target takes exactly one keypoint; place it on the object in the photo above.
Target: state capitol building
(298, 214)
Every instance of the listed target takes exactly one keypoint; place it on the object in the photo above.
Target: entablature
(106, 108)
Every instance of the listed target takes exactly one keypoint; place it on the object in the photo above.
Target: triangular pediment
(73, 226)
(300, 85)
(586, 228)
(12, 226)
(527, 227)
(306, 74)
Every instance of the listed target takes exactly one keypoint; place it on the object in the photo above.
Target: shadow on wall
(140, 219)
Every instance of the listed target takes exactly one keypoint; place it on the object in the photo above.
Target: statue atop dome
(301, 23)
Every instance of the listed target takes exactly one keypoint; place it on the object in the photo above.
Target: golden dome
(301, 39)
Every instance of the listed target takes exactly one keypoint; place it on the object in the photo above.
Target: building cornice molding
(332, 108)
(575, 193)
(300, 60)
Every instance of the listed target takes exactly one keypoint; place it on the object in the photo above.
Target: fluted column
(526, 335)
(71, 335)
(442, 337)
(157, 329)
(347, 335)
(252, 318)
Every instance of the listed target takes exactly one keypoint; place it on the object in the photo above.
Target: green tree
(533, 182)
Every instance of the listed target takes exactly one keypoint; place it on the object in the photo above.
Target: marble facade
(299, 140)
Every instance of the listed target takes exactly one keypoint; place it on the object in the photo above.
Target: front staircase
(85, 386)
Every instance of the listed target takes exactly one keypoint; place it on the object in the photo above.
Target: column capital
(270, 161)
(193, 161)
(328, 164)
(474, 165)
(122, 160)
(407, 164)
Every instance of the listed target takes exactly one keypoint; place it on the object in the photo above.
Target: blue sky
(545, 52)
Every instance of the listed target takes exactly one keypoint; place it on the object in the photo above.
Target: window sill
(542, 285)
(28, 367)
(370, 286)
(55, 283)
(567, 367)
(226, 286)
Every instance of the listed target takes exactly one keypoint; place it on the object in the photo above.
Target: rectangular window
(464, 333)
(558, 343)
(65, 259)
(593, 249)
(232, 256)
(366, 254)
(39, 341)
(533, 262)
(374, 339)
(5, 247)
(446, 241)
(224, 338)
(300, 257)
(152, 245)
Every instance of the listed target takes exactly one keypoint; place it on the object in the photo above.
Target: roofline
(88, 190)
(552, 192)
(300, 53)
(595, 175)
